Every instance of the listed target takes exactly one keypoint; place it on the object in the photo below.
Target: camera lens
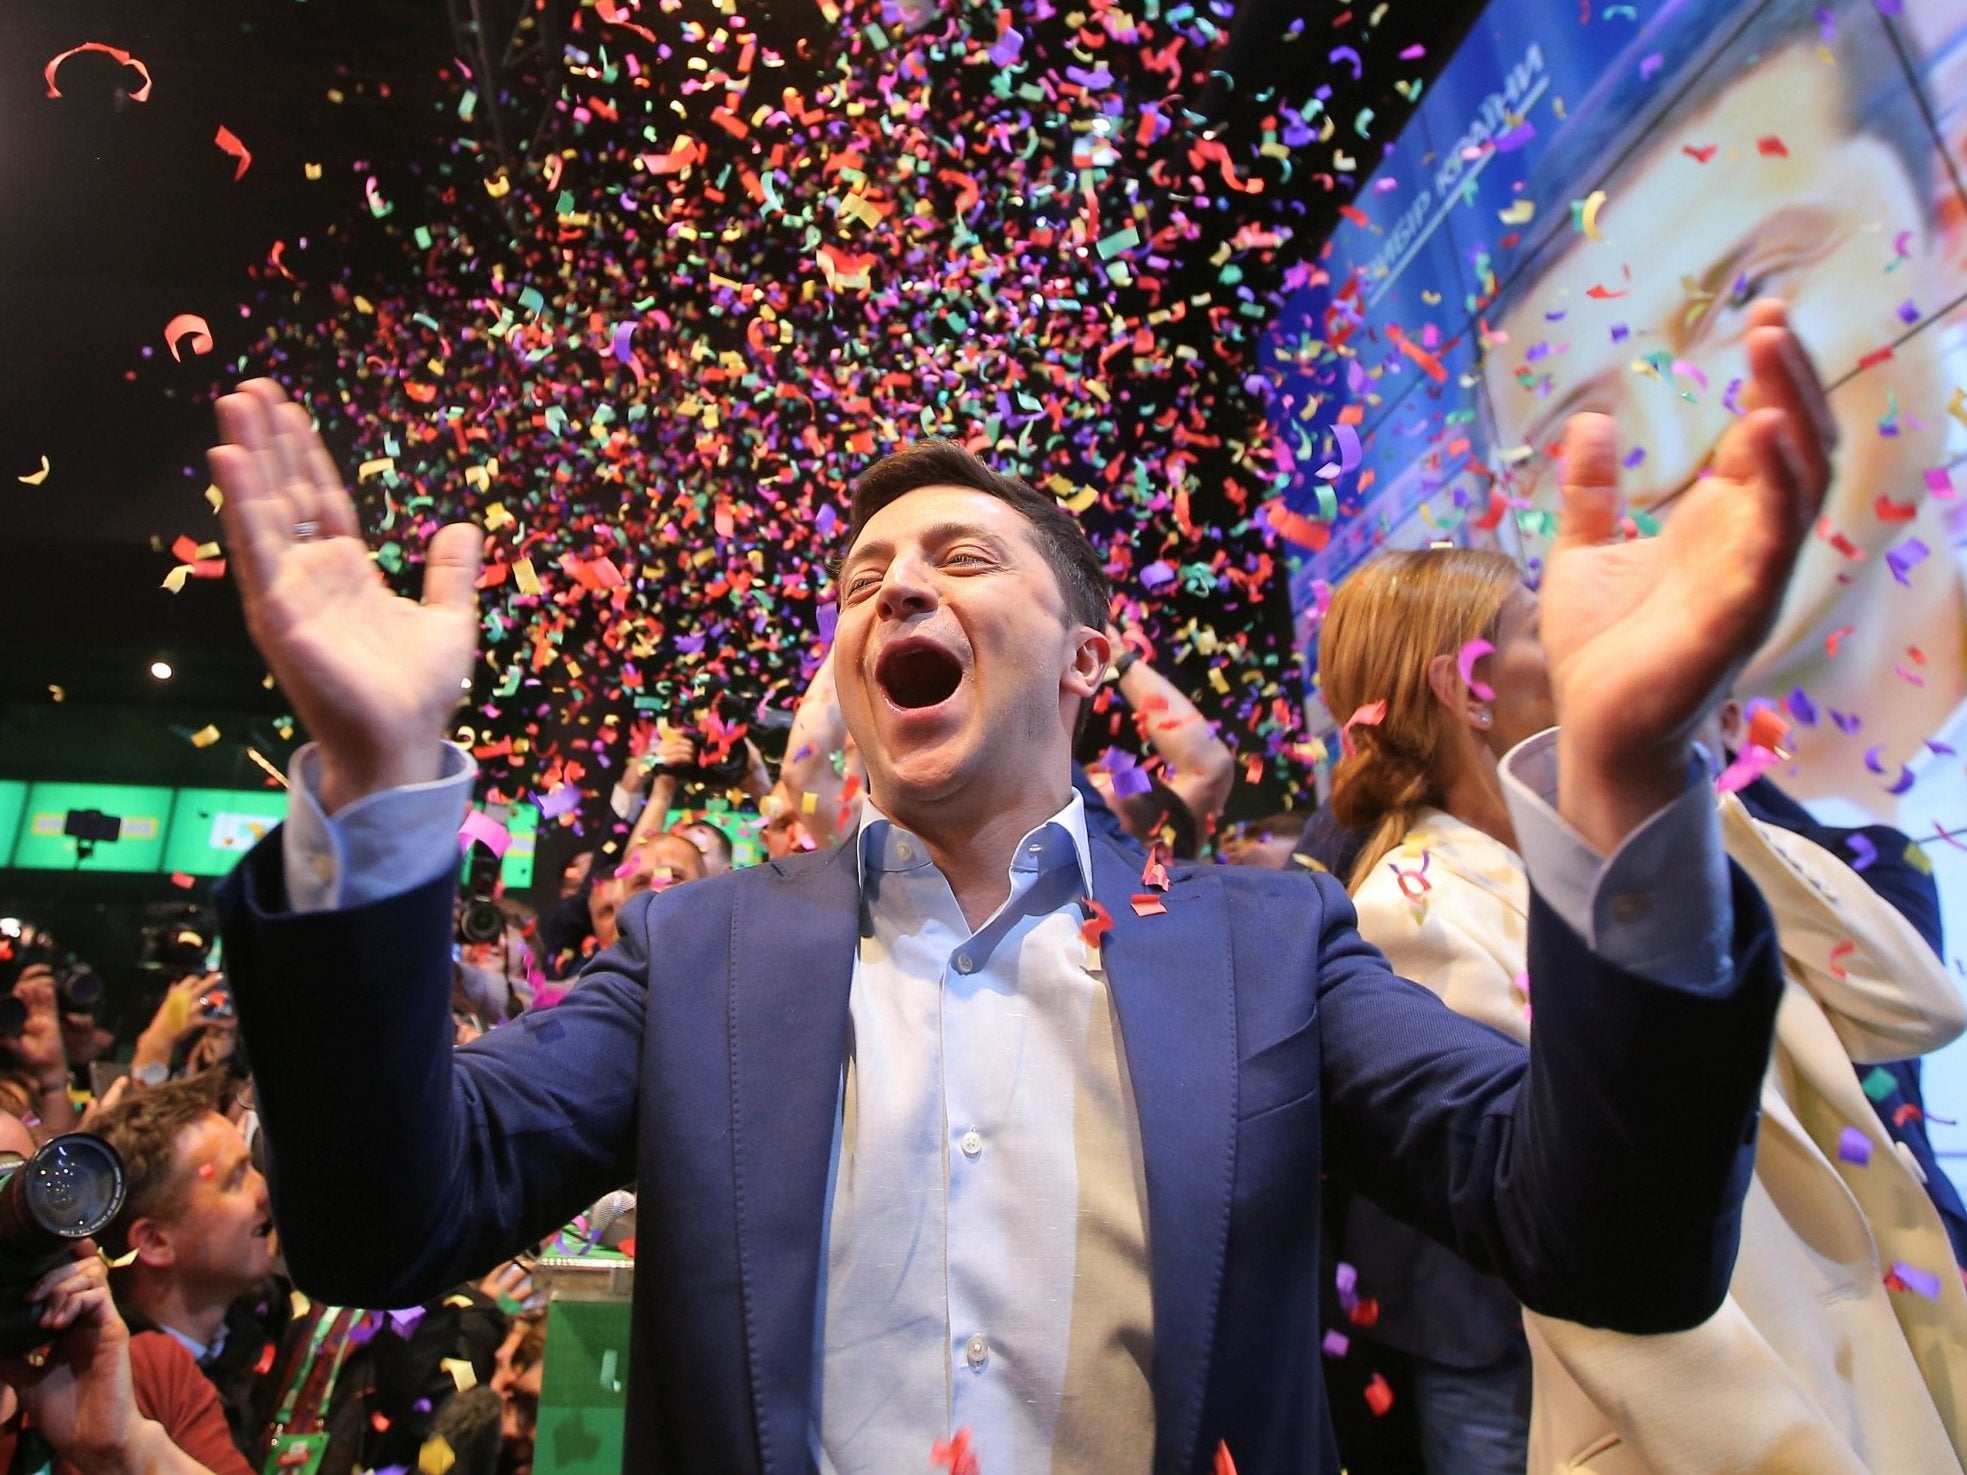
(80, 991)
(480, 921)
(74, 1185)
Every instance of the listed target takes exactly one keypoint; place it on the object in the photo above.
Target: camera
(79, 989)
(70, 1189)
(179, 943)
(479, 917)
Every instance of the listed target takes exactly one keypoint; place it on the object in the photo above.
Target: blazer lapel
(793, 951)
(1170, 980)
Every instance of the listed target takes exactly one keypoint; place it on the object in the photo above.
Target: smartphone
(105, 1073)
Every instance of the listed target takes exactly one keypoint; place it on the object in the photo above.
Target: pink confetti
(1465, 661)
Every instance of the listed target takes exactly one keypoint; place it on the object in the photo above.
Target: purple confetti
(1853, 1146)
(403, 1323)
(1509, 141)
(1801, 707)
(1348, 440)
(1650, 65)
(1848, 722)
(1863, 852)
(1157, 575)
(1903, 559)
(1337, 1344)
(829, 618)
(1916, 1280)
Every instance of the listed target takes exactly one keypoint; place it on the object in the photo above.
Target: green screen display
(522, 823)
(43, 847)
(13, 800)
(212, 828)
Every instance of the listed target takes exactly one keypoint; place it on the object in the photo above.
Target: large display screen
(45, 846)
(13, 800)
(212, 828)
(1576, 218)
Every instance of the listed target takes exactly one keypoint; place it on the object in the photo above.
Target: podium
(584, 1377)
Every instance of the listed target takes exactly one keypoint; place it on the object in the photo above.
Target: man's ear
(1445, 681)
(1090, 657)
(153, 1243)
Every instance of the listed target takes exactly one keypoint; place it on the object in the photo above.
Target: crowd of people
(1689, 1223)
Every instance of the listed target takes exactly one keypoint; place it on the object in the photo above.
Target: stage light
(161, 670)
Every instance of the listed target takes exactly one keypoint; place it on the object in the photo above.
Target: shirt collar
(881, 845)
(201, 1352)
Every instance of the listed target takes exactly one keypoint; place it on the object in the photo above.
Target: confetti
(142, 94)
(229, 142)
(1465, 661)
(188, 323)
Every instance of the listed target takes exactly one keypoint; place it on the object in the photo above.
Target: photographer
(104, 1400)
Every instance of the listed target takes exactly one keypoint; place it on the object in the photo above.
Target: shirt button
(965, 963)
(904, 851)
(1630, 906)
(972, 1144)
(976, 1352)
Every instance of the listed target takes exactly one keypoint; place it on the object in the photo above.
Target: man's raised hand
(1644, 636)
(373, 677)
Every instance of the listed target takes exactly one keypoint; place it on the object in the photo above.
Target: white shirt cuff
(1661, 906)
(382, 845)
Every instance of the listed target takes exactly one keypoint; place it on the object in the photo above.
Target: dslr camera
(178, 943)
(79, 989)
(70, 1189)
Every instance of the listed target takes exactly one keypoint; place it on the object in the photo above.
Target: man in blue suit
(939, 1131)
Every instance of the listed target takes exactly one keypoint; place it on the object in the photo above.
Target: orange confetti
(1096, 926)
(142, 94)
(1379, 1397)
(228, 141)
(1837, 956)
(197, 327)
(1148, 905)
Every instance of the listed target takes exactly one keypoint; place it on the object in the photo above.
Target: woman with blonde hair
(1842, 1346)
(1417, 770)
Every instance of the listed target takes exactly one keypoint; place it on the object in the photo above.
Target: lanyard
(330, 1317)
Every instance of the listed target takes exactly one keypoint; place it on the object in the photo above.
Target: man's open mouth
(918, 673)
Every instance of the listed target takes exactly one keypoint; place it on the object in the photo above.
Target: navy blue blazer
(1268, 1045)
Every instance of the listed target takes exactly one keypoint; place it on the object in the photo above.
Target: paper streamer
(1474, 651)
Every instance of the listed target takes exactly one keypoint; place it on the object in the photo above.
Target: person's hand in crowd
(39, 1053)
(635, 773)
(40, 1050)
(175, 1020)
(510, 1287)
(118, 1089)
(757, 775)
(374, 677)
(676, 750)
(80, 1396)
(1644, 635)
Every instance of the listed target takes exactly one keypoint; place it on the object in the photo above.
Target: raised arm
(819, 731)
(1201, 768)
(1595, 1179)
(397, 1167)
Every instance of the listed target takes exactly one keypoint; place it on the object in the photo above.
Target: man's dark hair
(936, 463)
(1690, 64)
(144, 1128)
